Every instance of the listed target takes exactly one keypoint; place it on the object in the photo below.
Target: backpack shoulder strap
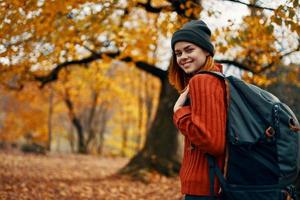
(215, 170)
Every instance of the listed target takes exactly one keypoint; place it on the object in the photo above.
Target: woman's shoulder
(203, 78)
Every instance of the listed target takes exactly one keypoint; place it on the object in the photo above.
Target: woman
(200, 111)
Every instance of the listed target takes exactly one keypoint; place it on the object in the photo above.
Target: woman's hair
(179, 79)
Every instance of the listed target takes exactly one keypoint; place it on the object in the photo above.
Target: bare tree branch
(247, 68)
(149, 8)
(280, 57)
(251, 5)
(293, 51)
(53, 75)
(234, 63)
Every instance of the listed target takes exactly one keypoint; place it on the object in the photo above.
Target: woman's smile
(187, 64)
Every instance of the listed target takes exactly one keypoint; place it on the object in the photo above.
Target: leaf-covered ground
(72, 177)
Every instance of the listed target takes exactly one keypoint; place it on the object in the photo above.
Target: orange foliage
(26, 115)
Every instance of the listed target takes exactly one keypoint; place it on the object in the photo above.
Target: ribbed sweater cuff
(181, 113)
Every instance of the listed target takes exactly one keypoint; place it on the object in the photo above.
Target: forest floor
(74, 177)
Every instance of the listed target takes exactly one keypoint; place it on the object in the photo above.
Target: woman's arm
(204, 122)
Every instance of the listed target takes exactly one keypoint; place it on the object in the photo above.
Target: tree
(88, 94)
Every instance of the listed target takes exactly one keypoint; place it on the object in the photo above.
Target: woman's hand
(181, 99)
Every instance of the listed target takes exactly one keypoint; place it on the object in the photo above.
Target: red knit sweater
(203, 123)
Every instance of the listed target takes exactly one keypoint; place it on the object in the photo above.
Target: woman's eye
(178, 54)
(189, 50)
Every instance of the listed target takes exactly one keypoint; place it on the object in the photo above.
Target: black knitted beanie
(196, 32)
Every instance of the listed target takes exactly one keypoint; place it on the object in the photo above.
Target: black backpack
(262, 151)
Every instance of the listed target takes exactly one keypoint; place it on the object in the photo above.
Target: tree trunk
(90, 128)
(79, 130)
(76, 123)
(50, 112)
(160, 150)
(71, 138)
(124, 142)
(140, 110)
(124, 133)
(103, 117)
(101, 141)
(149, 104)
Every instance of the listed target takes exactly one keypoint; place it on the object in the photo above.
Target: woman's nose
(183, 56)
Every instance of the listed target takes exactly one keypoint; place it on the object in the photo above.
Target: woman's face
(189, 56)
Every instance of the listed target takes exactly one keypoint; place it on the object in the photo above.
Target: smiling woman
(200, 111)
